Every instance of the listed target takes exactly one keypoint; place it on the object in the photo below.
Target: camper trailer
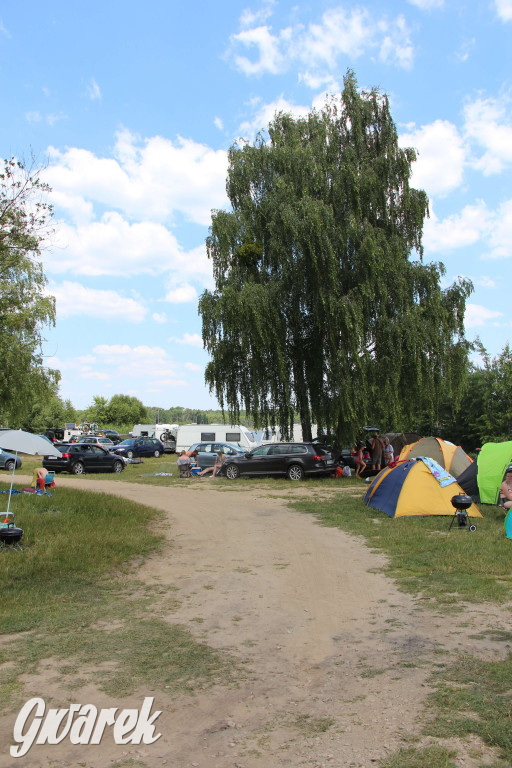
(164, 432)
(188, 434)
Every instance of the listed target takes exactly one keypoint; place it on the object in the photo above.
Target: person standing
(360, 462)
(388, 452)
(377, 448)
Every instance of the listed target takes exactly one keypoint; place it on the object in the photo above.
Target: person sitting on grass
(506, 490)
(216, 467)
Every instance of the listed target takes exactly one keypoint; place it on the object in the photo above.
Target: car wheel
(129, 454)
(232, 472)
(156, 454)
(78, 468)
(118, 466)
(295, 472)
(9, 465)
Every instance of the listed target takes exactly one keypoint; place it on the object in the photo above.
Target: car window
(299, 449)
(279, 450)
(97, 450)
(261, 451)
(208, 448)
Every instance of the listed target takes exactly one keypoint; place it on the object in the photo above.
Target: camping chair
(184, 467)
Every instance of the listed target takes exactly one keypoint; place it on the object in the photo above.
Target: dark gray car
(292, 460)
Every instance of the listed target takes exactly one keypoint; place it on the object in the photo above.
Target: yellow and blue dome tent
(417, 486)
(451, 457)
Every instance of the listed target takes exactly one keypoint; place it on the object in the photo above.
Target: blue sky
(134, 107)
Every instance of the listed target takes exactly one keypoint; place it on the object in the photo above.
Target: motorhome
(188, 434)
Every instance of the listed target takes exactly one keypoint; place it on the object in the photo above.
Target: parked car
(79, 458)
(139, 446)
(105, 442)
(293, 460)
(9, 460)
(207, 452)
(112, 435)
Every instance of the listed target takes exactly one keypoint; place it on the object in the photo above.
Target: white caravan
(188, 434)
(153, 430)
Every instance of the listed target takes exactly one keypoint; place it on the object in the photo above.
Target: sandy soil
(336, 658)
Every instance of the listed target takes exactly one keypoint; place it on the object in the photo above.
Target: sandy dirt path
(336, 658)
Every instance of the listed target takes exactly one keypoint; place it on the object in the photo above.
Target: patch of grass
(474, 696)
(69, 599)
(309, 725)
(412, 757)
(70, 541)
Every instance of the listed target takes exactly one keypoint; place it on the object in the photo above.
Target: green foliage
(24, 308)
(318, 309)
(485, 410)
(120, 412)
(46, 413)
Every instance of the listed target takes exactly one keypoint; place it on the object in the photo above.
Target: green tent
(493, 460)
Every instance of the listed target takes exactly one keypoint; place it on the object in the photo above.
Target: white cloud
(159, 317)
(191, 339)
(250, 18)
(426, 5)
(485, 282)
(149, 179)
(181, 294)
(504, 9)
(264, 113)
(218, 123)
(74, 299)
(340, 33)
(193, 367)
(488, 123)
(52, 118)
(459, 230)
(501, 236)
(441, 157)
(476, 315)
(113, 246)
(93, 90)
(33, 117)
(136, 361)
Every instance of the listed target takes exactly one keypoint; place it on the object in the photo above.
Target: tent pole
(12, 481)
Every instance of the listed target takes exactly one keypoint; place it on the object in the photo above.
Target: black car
(79, 458)
(113, 435)
(294, 460)
(139, 446)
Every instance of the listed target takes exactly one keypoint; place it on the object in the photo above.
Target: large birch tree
(25, 308)
(322, 305)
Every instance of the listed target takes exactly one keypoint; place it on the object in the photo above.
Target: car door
(278, 459)
(258, 463)
(100, 458)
